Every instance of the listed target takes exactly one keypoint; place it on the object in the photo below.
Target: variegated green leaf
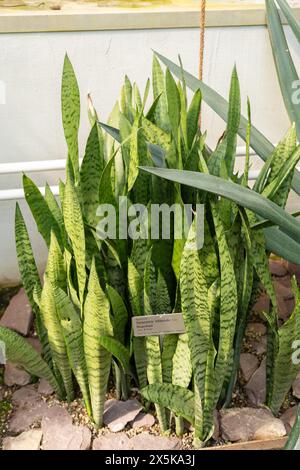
(161, 110)
(69, 268)
(27, 265)
(134, 157)
(20, 352)
(118, 350)
(285, 369)
(155, 135)
(55, 336)
(56, 211)
(90, 174)
(193, 118)
(228, 302)
(97, 323)
(120, 314)
(43, 217)
(75, 230)
(197, 319)
(233, 121)
(70, 105)
(55, 269)
(72, 331)
(173, 100)
(182, 366)
(176, 398)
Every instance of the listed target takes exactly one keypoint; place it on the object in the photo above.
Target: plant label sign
(154, 325)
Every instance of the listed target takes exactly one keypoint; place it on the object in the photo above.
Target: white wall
(31, 64)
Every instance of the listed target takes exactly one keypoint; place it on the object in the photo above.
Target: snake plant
(93, 284)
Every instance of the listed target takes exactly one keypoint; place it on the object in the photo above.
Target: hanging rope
(202, 40)
(202, 34)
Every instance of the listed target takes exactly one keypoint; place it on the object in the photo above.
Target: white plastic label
(153, 325)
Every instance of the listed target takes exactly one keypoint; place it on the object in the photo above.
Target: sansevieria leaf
(56, 211)
(161, 111)
(27, 265)
(43, 217)
(285, 369)
(98, 360)
(90, 173)
(228, 302)
(20, 352)
(118, 350)
(75, 230)
(120, 314)
(70, 106)
(197, 318)
(233, 121)
(177, 399)
(72, 331)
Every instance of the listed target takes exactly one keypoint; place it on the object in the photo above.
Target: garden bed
(31, 414)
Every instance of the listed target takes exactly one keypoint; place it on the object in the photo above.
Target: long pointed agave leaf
(75, 230)
(285, 370)
(176, 398)
(98, 360)
(19, 351)
(70, 106)
(286, 71)
(236, 193)
(215, 101)
(90, 173)
(279, 243)
(290, 16)
(72, 331)
(40, 210)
